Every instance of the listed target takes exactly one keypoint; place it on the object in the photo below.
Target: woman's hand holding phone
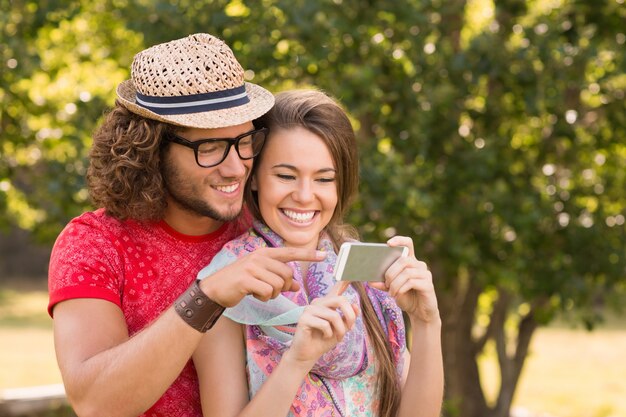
(410, 282)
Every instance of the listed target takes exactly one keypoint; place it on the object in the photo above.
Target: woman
(347, 354)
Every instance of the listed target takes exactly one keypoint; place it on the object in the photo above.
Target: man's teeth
(298, 216)
(227, 188)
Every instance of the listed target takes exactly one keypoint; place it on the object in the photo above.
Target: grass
(27, 348)
(575, 373)
(569, 372)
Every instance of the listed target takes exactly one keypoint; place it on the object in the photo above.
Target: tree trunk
(464, 396)
(464, 393)
(511, 364)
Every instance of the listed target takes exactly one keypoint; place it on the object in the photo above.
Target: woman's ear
(253, 185)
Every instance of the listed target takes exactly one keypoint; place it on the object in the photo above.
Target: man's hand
(263, 273)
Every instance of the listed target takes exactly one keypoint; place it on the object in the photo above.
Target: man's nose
(233, 165)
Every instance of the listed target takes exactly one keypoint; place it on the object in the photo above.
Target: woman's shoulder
(246, 242)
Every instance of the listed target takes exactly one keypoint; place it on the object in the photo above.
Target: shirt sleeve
(84, 264)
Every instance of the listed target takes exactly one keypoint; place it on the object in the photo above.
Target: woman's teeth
(298, 216)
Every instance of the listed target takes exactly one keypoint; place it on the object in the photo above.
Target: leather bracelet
(198, 310)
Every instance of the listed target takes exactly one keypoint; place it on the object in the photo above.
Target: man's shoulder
(97, 224)
(96, 218)
(99, 218)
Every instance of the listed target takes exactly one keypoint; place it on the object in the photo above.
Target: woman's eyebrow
(293, 168)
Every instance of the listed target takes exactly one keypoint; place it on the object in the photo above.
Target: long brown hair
(124, 174)
(320, 114)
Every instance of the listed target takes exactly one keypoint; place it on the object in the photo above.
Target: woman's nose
(303, 192)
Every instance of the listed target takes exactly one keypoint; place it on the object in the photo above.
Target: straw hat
(192, 82)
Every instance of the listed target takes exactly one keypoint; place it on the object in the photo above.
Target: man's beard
(183, 193)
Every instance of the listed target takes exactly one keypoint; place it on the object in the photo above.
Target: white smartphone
(359, 261)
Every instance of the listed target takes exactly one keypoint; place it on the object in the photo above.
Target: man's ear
(253, 185)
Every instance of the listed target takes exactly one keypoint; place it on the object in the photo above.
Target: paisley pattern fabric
(342, 382)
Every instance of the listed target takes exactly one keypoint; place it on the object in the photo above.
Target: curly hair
(124, 174)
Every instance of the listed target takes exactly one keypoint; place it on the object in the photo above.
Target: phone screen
(366, 261)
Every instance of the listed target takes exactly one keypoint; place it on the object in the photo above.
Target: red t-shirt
(142, 268)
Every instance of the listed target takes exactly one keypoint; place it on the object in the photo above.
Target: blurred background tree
(493, 132)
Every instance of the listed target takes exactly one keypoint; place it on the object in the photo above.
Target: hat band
(194, 103)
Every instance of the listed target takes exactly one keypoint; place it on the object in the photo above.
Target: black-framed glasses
(213, 151)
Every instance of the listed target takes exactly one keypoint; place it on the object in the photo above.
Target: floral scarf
(270, 326)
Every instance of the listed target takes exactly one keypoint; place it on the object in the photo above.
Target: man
(168, 168)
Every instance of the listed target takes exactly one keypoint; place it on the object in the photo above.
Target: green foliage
(60, 66)
(493, 132)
